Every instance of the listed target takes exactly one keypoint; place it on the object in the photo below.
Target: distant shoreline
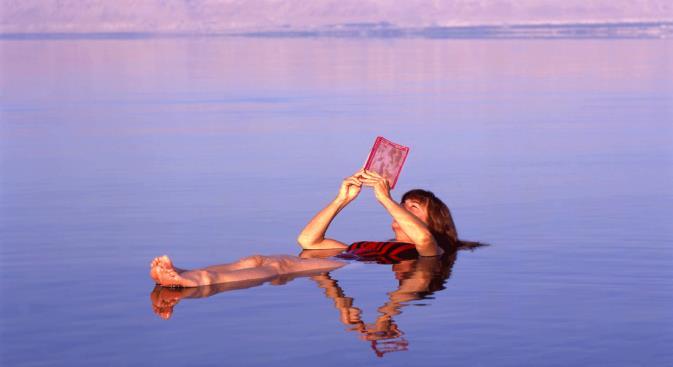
(621, 30)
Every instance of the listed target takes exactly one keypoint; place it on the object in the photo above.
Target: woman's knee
(252, 261)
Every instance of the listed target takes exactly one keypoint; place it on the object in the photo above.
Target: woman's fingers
(356, 176)
(369, 181)
(367, 174)
(371, 178)
(377, 185)
(354, 181)
(372, 174)
(375, 174)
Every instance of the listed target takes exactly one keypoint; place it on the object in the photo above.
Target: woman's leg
(244, 263)
(286, 264)
(249, 268)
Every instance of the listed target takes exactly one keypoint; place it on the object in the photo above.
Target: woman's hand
(350, 187)
(379, 183)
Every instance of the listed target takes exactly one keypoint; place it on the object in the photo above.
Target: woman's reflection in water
(418, 279)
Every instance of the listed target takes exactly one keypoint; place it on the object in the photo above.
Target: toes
(153, 275)
(166, 260)
(168, 277)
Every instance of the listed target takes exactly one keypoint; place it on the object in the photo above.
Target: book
(387, 158)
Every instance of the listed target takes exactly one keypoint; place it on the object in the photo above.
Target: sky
(80, 16)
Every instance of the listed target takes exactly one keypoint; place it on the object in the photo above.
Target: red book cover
(387, 159)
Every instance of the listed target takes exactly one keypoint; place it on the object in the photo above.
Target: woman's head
(434, 213)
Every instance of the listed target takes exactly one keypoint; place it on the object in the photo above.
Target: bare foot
(164, 273)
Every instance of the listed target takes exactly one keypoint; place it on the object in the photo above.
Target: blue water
(557, 153)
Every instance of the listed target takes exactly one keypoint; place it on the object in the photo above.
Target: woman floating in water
(422, 225)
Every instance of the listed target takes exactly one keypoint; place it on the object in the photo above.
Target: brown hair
(440, 221)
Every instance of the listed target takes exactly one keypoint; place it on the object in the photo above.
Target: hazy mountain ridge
(273, 16)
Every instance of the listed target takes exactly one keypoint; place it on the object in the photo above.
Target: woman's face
(417, 209)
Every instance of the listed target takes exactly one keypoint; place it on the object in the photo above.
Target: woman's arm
(312, 237)
(418, 232)
(320, 254)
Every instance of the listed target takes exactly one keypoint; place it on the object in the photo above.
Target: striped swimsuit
(386, 252)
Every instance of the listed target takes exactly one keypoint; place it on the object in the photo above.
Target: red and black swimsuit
(386, 252)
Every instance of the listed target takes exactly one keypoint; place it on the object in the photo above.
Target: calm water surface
(558, 153)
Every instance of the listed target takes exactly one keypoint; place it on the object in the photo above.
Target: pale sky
(226, 15)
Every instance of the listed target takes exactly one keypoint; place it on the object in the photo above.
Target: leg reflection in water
(164, 299)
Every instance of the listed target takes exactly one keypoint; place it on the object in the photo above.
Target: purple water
(558, 153)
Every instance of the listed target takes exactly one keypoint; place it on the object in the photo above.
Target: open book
(387, 159)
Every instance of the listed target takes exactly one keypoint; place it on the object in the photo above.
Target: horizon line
(524, 30)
